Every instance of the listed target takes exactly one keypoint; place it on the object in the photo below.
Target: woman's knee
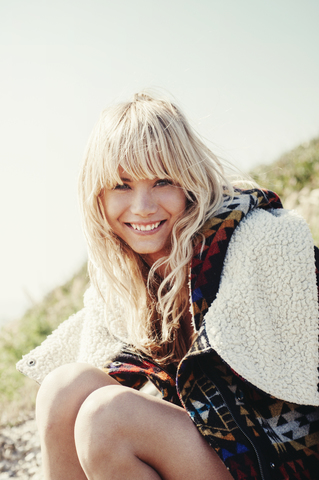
(64, 390)
(103, 423)
(105, 411)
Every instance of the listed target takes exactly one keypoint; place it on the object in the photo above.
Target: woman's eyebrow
(126, 179)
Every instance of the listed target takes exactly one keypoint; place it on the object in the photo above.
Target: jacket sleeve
(83, 337)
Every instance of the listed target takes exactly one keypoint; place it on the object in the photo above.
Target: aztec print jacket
(249, 381)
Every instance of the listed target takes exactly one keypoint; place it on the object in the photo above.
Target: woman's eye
(164, 181)
(121, 186)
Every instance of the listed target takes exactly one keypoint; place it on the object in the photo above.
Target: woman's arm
(83, 337)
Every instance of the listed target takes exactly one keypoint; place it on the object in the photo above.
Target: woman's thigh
(117, 425)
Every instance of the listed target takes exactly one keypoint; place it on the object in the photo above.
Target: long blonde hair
(149, 137)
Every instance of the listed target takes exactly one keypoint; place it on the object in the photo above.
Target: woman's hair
(149, 137)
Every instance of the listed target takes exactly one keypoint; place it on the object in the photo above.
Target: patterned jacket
(249, 381)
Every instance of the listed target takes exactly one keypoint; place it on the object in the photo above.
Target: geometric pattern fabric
(251, 431)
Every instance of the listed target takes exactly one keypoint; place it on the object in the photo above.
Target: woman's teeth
(145, 228)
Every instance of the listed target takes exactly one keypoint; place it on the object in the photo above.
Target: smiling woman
(143, 212)
(208, 291)
(144, 157)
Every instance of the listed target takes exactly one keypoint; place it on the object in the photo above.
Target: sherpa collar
(208, 261)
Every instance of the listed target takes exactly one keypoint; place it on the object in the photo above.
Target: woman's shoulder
(261, 228)
(264, 321)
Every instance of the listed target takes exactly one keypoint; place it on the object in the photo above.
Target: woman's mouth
(145, 227)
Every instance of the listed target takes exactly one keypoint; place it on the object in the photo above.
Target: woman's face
(143, 212)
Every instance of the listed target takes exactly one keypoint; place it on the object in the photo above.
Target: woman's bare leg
(89, 423)
(122, 434)
(59, 399)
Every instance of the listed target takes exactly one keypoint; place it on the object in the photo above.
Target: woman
(210, 292)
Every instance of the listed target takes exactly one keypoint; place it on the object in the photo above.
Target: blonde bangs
(148, 144)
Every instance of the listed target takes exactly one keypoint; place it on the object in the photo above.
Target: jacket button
(240, 395)
(272, 465)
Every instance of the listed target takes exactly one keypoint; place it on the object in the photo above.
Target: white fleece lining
(81, 338)
(264, 320)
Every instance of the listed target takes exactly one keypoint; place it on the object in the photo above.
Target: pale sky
(245, 72)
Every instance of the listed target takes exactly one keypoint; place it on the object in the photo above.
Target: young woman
(209, 292)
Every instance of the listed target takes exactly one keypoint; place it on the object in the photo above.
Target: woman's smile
(143, 212)
(146, 228)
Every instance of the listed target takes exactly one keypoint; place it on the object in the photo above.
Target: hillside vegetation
(295, 177)
(17, 393)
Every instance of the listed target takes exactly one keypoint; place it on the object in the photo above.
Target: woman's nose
(143, 204)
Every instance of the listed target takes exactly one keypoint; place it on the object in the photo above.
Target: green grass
(293, 171)
(294, 176)
(18, 338)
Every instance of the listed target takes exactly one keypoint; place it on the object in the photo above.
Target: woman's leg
(122, 434)
(59, 399)
(89, 423)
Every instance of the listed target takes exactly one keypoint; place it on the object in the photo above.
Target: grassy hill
(293, 171)
(295, 176)
(17, 393)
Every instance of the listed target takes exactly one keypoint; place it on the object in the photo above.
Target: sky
(245, 73)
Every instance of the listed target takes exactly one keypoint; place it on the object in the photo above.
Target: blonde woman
(208, 291)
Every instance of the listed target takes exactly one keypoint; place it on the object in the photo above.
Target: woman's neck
(162, 271)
